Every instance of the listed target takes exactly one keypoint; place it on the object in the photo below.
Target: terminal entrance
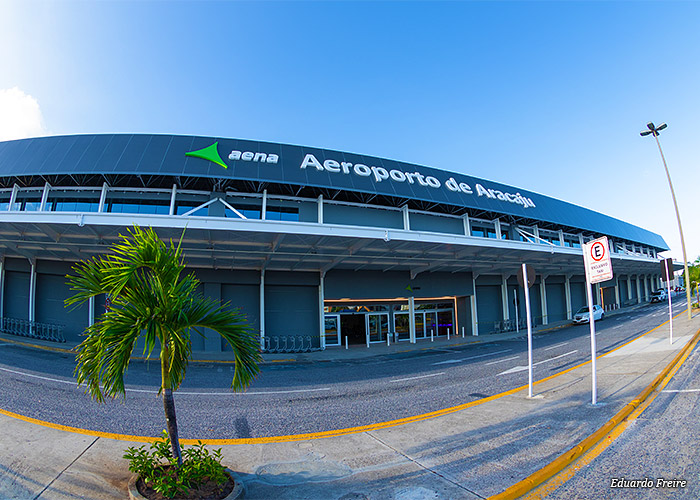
(369, 323)
(353, 327)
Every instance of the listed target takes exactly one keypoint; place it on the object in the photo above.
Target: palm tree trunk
(171, 421)
(169, 404)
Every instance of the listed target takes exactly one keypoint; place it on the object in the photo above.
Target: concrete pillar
(617, 291)
(412, 320)
(497, 225)
(475, 319)
(543, 299)
(646, 288)
(406, 218)
(91, 311)
(103, 197)
(504, 297)
(567, 296)
(32, 291)
(44, 197)
(467, 228)
(263, 213)
(262, 309)
(639, 294)
(173, 197)
(320, 209)
(212, 340)
(629, 287)
(13, 198)
(2, 287)
(321, 314)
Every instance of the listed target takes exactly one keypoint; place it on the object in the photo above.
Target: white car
(658, 295)
(582, 314)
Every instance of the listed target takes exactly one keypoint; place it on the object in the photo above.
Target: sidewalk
(468, 453)
(339, 353)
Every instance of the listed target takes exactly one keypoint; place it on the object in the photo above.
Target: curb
(562, 461)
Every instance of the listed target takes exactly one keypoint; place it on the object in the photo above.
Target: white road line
(555, 346)
(71, 382)
(416, 378)
(516, 369)
(155, 391)
(231, 393)
(449, 361)
(502, 360)
(681, 390)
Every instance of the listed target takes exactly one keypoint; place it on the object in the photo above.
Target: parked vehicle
(582, 315)
(658, 296)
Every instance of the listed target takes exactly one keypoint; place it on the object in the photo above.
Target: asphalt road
(305, 397)
(660, 444)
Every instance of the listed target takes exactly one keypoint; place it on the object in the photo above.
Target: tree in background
(694, 275)
(142, 278)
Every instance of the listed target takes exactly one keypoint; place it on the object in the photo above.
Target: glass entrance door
(377, 326)
(401, 326)
(332, 322)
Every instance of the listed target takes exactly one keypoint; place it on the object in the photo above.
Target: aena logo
(211, 153)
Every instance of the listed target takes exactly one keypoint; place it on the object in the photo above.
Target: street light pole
(655, 132)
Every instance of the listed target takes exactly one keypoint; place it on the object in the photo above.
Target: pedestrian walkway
(472, 451)
(339, 353)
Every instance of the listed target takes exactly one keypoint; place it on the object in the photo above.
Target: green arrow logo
(210, 153)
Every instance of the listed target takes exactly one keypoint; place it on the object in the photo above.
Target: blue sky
(547, 96)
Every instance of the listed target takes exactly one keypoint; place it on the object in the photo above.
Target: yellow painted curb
(315, 435)
(558, 464)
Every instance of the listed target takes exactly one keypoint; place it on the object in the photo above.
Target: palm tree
(148, 297)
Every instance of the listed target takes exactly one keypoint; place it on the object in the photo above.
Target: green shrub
(158, 468)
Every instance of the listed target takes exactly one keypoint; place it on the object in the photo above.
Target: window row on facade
(256, 206)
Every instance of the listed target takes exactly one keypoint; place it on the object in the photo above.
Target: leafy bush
(158, 468)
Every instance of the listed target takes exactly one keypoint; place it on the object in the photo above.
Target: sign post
(667, 274)
(526, 278)
(596, 259)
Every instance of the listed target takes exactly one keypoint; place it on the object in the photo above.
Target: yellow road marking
(313, 435)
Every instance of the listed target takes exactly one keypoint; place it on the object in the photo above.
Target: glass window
(282, 213)
(72, 206)
(331, 327)
(137, 208)
(478, 231)
(182, 208)
(29, 205)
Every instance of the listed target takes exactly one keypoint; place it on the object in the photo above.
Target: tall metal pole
(655, 133)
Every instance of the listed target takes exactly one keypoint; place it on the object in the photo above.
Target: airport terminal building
(317, 247)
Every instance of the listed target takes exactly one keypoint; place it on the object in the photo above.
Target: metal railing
(32, 329)
(289, 344)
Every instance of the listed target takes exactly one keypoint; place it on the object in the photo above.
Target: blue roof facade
(222, 158)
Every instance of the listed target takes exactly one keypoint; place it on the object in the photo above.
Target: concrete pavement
(471, 452)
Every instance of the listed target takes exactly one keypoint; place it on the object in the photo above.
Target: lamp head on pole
(653, 129)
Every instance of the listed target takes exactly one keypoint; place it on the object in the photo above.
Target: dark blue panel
(165, 155)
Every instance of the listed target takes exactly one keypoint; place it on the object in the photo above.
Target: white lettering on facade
(381, 174)
(250, 156)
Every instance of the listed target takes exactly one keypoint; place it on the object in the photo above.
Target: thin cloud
(20, 115)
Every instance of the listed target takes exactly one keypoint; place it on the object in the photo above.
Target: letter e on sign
(596, 258)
